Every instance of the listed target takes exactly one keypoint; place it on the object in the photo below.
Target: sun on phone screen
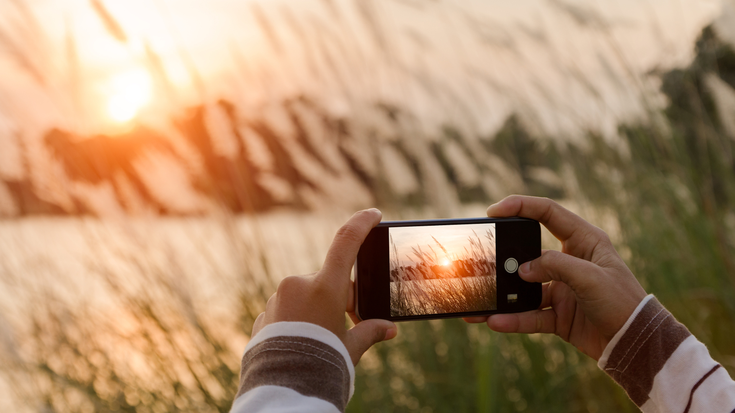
(442, 269)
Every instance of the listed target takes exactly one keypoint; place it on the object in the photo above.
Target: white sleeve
(279, 399)
(295, 367)
(664, 368)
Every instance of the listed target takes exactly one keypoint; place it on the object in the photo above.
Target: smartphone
(414, 270)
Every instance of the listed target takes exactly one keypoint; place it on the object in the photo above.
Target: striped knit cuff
(300, 356)
(602, 362)
(641, 349)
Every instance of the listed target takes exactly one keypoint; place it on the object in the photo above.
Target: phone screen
(438, 269)
(420, 270)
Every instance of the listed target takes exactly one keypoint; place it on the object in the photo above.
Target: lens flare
(130, 91)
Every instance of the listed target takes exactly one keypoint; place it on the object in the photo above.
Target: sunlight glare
(446, 262)
(130, 92)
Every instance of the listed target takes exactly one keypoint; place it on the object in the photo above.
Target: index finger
(562, 222)
(343, 251)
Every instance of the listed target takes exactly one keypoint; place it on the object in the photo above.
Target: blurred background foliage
(151, 323)
(673, 197)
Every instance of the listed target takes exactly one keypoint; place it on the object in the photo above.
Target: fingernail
(525, 268)
(390, 333)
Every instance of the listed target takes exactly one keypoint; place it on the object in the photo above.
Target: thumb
(558, 266)
(363, 335)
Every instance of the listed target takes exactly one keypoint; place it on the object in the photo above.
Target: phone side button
(511, 265)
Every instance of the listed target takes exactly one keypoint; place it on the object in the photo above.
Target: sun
(446, 262)
(130, 91)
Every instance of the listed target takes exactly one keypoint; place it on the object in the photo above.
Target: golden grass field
(152, 199)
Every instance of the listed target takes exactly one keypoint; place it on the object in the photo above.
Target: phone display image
(439, 269)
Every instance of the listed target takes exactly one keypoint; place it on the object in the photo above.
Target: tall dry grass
(668, 184)
(139, 330)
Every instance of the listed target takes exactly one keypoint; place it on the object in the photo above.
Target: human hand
(590, 292)
(323, 298)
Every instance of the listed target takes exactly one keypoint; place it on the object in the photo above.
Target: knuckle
(539, 323)
(271, 301)
(547, 258)
(515, 199)
(550, 203)
(320, 285)
(289, 285)
(540, 265)
(550, 207)
(605, 238)
(548, 264)
(599, 238)
(259, 319)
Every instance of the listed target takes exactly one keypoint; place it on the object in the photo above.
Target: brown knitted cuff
(307, 366)
(644, 349)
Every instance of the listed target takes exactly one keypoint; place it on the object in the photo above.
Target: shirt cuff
(293, 355)
(307, 330)
(642, 348)
(616, 338)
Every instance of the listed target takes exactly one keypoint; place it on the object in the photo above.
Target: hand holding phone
(590, 292)
(323, 297)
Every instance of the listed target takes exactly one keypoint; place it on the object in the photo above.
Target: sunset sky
(453, 237)
(495, 54)
(565, 67)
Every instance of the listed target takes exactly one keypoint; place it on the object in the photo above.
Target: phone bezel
(519, 238)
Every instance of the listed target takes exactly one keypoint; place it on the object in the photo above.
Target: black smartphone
(413, 270)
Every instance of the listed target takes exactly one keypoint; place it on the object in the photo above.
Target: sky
(565, 67)
(454, 238)
(498, 56)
